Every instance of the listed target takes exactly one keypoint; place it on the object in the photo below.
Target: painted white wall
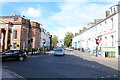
(46, 37)
(105, 29)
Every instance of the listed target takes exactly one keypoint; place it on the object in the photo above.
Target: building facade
(107, 31)
(5, 35)
(47, 37)
(19, 32)
(35, 34)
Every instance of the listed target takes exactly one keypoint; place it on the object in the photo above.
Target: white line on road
(92, 66)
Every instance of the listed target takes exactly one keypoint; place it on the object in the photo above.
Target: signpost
(43, 41)
(97, 42)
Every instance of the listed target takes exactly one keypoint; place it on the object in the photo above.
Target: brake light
(25, 54)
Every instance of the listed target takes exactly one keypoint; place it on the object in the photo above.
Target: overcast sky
(59, 16)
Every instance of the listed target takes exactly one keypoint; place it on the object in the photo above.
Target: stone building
(35, 34)
(5, 35)
(20, 31)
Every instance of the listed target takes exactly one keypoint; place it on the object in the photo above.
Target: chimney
(97, 21)
(107, 13)
(76, 34)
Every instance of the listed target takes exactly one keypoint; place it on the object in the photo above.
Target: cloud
(72, 14)
(60, 32)
(59, 0)
(32, 0)
(31, 12)
(91, 0)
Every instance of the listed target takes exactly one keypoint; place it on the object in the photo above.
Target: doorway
(119, 50)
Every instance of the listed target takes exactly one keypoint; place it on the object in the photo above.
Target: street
(68, 66)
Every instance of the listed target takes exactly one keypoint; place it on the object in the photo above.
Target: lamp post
(44, 41)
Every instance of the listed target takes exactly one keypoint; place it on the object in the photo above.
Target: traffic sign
(99, 41)
(43, 41)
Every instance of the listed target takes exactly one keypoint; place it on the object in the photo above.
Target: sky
(58, 16)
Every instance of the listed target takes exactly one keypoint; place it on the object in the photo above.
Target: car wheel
(21, 58)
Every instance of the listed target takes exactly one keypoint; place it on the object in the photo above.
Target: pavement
(7, 74)
(98, 57)
(108, 61)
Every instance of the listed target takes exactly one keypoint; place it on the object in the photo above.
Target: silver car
(59, 52)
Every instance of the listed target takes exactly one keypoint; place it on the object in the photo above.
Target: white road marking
(92, 66)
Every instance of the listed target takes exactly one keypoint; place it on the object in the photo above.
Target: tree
(68, 39)
(54, 40)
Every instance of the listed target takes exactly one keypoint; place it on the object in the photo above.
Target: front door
(119, 50)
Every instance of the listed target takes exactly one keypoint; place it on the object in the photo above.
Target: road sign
(99, 41)
(43, 41)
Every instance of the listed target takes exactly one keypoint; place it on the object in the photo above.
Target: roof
(9, 16)
(100, 22)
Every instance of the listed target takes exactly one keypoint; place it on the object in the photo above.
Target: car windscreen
(59, 50)
(9, 52)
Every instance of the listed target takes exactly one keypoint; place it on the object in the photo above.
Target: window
(15, 19)
(111, 10)
(15, 52)
(112, 22)
(114, 10)
(112, 19)
(14, 45)
(105, 22)
(112, 37)
(15, 34)
(106, 41)
(9, 52)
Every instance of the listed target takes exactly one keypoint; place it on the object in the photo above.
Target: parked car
(66, 48)
(70, 49)
(59, 52)
(14, 54)
(55, 47)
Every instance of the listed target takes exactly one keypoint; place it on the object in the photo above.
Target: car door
(16, 54)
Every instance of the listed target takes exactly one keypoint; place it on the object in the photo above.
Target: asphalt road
(68, 66)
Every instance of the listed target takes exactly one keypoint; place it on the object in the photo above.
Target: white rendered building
(45, 36)
(107, 31)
